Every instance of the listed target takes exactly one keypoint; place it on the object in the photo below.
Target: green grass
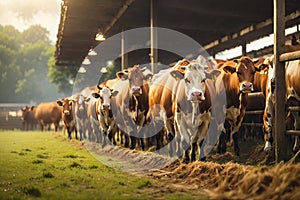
(47, 165)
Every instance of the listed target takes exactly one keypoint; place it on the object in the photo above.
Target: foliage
(23, 65)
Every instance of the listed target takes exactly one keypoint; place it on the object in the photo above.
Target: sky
(24, 13)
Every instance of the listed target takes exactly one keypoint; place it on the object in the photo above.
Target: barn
(216, 25)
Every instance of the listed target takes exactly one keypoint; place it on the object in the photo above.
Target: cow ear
(148, 77)
(229, 69)
(23, 109)
(59, 102)
(213, 74)
(32, 107)
(99, 87)
(114, 93)
(177, 75)
(261, 67)
(122, 75)
(95, 95)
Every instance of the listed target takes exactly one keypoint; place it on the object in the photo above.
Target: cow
(93, 131)
(28, 119)
(47, 113)
(80, 114)
(256, 102)
(180, 100)
(107, 123)
(237, 77)
(130, 106)
(292, 96)
(67, 116)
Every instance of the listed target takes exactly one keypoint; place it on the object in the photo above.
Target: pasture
(47, 165)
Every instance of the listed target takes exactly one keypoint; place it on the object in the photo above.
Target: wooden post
(124, 56)
(153, 34)
(244, 49)
(281, 140)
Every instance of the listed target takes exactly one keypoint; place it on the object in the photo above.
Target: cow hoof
(267, 146)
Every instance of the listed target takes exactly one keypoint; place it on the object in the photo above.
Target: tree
(23, 65)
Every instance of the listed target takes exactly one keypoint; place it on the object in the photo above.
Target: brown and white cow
(179, 98)
(256, 102)
(237, 77)
(68, 116)
(28, 119)
(107, 123)
(293, 99)
(47, 113)
(130, 106)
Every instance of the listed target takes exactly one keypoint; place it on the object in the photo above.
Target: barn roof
(217, 25)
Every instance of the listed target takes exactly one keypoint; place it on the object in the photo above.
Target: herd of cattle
(176, 106)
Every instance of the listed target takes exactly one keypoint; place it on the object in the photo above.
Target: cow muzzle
(136, 91)
(197, 96)
(105, 107)
(246, 87)
(66, 112)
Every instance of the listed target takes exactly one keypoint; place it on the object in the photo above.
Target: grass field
(47, 165)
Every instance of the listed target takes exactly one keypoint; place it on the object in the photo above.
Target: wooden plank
(293, 132)
(252, 124)
(254, 112)
(294, 108)
(289, 56)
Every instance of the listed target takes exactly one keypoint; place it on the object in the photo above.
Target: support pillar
(153, 35)
(124, 56)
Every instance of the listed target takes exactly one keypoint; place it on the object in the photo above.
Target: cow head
(244, 68)
(194, 75)
(25, 111)
(104, 96)
(81, 101)
(66, 104)
(136, 77)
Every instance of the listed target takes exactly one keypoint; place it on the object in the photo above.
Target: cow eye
(203, 80)
(187, 80)
(239, 73)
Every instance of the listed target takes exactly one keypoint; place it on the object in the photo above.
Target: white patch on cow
(244, 66)
(66, 112)
(267, 146)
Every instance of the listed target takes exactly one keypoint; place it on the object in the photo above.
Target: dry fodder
(236, 181)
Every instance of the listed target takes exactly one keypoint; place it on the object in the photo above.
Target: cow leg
(75, 130)
(194, 147)
(186, 157)
(236, 144)
(202, 157)
(133, 142)
(69, 133)
(297, 127)
(221, 149)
